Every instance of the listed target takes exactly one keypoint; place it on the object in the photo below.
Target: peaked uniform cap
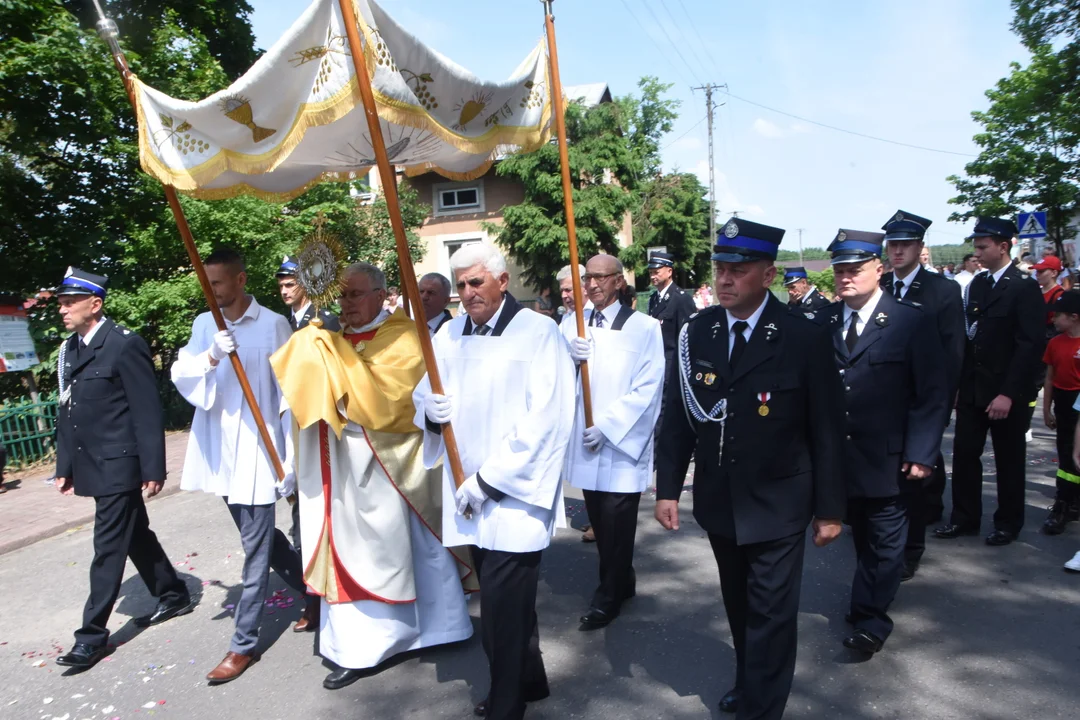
(994, 227)
(288, 268)
(905, 226)
(740, 240)
(853, 246)
(80, 282)
(794, 273)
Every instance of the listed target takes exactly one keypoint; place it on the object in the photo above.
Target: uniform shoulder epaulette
(910, 303)
(704, 311)
(121, 330)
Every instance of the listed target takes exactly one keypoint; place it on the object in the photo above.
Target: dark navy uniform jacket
(895, 391)
(779, 467)
(813, 301)
(110, 436)
(329, 319)
(1005, 350)
(672, 311)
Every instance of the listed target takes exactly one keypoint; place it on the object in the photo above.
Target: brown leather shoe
(232, 667)
(309, 621)
(589, 536)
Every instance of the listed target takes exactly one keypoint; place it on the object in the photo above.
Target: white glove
(437, 408)
(593, 438)
(469, 495)
(286, 487)
(224, 343)
(580, 349)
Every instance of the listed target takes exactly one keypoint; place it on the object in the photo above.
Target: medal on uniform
(710, 378)
(763, 411)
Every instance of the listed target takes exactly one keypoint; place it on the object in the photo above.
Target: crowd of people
(814, 414)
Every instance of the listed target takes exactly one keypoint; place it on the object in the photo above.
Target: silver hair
(444, 283)
(377, 276)
(479, 254)
(565, 273)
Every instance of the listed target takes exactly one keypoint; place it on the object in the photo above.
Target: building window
(458, 198)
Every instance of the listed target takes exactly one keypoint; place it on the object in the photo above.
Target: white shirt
(300, 313)
(225, 454)
(663, 293)
(962, 278)
(92, 332)
(864, 315)
(997, 275)
(750, 321)
(610, 313)
(905, 280)
(433, 323)
(585, 313)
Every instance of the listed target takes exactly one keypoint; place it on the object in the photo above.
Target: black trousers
(915, 501)
(122, 531)
(934, 492)
(509, 630)
(1068, 476)
(1010, 453)
(879, 528)
(614, 519)
(760, 583)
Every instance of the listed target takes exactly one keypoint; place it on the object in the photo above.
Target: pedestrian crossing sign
(1032, 225)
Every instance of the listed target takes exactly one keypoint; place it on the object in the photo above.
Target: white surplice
(225, 454)
(513, 407)
(626, 373)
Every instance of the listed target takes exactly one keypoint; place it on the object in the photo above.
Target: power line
(667, 57)
(685, 133)
(849, 132)
(675, 24)
(673, 44)
(693, 26)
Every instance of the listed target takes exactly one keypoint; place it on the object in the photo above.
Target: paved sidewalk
(32, 510)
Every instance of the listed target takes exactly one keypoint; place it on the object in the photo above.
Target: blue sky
(907, 71)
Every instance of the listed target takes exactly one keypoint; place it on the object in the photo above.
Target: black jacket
(940, 297)
(813, 301)
(777, 470)
(1005, 351)
(110, 436)
(672, 311)
(329, 319)
(443, 319)
(897, 396)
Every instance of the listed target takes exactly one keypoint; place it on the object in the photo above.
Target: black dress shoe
(1055, 521)
(951, 532)
(908, 573)
(1000, 537)
(341, 677)
(533, 695)
(82, 656)
(166, 611)
(730, 702)
(595, 619)
(849, 619)
(863, 641)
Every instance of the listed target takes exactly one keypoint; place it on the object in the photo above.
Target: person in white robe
(509, 393)
(225, 455)
(611, 460)
(370, 512)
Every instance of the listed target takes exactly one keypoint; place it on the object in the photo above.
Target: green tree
(674, 214)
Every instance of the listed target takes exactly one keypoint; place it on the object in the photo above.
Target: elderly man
(509, 390)
(225, 455)
(566, 291)
(802, 295)
(757, 401)
(434, 297)
(611, 460)
(370, 512)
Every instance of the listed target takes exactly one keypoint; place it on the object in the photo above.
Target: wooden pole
(390, 189)
(568, 200)
(108, 32)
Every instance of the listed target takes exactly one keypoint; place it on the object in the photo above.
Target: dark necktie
(482, 330)
(852, 337)
(598, 319)
(654, 300)
(739, 345)
(898, 288)
(990, 279)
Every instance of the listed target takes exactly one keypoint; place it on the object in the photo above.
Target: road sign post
(1032, 225)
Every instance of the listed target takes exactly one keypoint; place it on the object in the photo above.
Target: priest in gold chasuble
(370, 513)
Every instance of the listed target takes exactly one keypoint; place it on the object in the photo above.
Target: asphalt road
(980, 633)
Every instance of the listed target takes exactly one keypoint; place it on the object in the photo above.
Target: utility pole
(712, 173)
(800, 246)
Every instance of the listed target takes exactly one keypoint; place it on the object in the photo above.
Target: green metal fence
(27, 430)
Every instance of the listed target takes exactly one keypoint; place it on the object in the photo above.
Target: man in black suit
(301, 310)
(670, 304)
(110, 445)
(802, 296)
(434, 289)
(889, 356)
(766, 403)
(940, 298)
(1005, 319)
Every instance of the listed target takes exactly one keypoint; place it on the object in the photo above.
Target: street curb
(13, 545)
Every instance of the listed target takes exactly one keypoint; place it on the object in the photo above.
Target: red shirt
(1063, 354)
(1050, 297)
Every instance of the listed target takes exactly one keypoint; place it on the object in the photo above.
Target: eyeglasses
(597, 278)
(356, 295)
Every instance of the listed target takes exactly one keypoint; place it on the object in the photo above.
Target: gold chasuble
(359, 461)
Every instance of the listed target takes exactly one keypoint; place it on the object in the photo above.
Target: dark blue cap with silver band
(855, 246)
(905, 226)
(744, 241)
(994, 227)
(661, 260)
(794, 273)
(288, 268)
(80, 282)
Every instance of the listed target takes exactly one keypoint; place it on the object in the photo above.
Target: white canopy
(296, 117)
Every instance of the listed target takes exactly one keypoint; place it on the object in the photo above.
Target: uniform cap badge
(731, 229)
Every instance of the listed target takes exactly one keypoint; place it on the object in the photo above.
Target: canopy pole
(108, 31)
(568, 200)
(390, 190)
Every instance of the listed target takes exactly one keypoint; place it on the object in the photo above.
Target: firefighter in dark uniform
(110, 445)
(1005, 320)
(301, 311)
(940, 298)
(889, 357)
(756, 399)
(802, 296)
(670, 304)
